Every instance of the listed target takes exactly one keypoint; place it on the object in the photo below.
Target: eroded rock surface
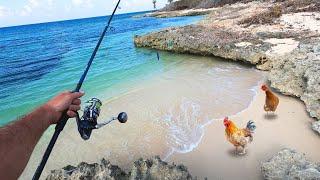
(153, 168)
(288, 164)
(316, 126)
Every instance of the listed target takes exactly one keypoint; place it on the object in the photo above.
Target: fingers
(71, 114)
(77, 95)
(76, 102)
(74, 108)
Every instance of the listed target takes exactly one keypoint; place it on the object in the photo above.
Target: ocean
(41, 60)
(169, 102)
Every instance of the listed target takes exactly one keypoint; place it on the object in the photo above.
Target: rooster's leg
(243, 152)
(237, 149)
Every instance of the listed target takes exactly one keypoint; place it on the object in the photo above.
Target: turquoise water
(39, 61)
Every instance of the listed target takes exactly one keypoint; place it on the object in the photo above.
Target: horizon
(64, 20)
(30, 12)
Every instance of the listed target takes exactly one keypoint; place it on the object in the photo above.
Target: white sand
(302, 21)
(290, 128)
(281, 46)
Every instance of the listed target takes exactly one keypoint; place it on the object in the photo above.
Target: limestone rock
(97, 171)
(157, 169)
(153, 168)
(316, 126)
(288, 164)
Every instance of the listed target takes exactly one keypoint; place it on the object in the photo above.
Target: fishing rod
(93, 108)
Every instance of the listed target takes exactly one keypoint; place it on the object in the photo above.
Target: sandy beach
(214, 158)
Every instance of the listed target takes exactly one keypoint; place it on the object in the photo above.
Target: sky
(20, 12)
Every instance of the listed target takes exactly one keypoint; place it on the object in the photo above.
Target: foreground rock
(142, 169)
(282, 37)
(289, 164)
(316, 127)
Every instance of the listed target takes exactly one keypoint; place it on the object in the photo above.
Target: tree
(154, 4)
(170, 1)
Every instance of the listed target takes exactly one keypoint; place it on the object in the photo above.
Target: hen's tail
(251, 126)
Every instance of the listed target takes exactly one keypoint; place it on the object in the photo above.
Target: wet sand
(289, 128)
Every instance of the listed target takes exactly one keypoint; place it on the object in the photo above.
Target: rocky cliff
(280, 36)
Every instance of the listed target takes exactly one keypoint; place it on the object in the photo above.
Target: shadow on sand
(233, 153)
(271, 116)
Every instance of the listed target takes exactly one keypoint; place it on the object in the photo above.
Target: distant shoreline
(68, 20)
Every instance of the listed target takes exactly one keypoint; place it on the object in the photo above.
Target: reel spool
(89, 119)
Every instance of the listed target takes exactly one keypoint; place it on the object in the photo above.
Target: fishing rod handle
(59, 127)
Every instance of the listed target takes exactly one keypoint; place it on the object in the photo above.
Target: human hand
(65, 102)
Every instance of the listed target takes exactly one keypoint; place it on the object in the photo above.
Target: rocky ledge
(187, 12)
(280, 36)
(288, 164)
(153, 168)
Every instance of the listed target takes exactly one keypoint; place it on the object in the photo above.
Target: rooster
(239, 137)
(272, 101)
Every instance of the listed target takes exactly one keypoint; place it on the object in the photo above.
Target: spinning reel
(89, 119)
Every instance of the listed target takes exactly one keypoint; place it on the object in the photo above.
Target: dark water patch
(29, 71)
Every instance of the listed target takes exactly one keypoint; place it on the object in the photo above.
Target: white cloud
(31, 5)
(36, 11)
(4, 11)
(28, 8)
(83, 3)
(50, 2)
